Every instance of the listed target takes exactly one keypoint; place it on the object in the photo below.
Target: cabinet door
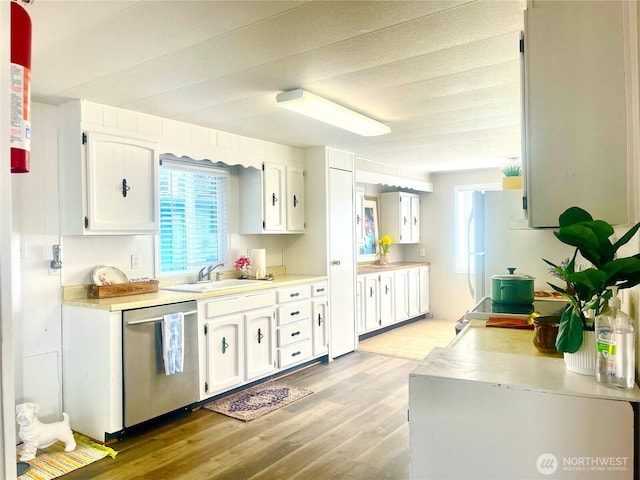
(387, 312)
(295, 199)
(405, 218)
(224, 338)
(401, 295)
(413, 293)
(274, 201)
(415, 218)
(260, 342)
(575, 111)
(359, 214)
(371, 303)
(360, 297)
(424, 290)
(122, 178)
(320, 332)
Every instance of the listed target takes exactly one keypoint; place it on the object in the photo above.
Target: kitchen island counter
(488, 406)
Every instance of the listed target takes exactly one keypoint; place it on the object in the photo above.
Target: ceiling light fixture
(319, 108)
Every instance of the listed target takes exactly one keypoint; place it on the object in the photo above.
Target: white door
(342, 262)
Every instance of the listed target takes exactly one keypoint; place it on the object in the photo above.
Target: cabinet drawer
(295, 353)
(293, 333)
(238, 303)
(293, 312)
(319, 289)
(291, 294)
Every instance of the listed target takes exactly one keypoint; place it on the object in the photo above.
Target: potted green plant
(512, 172)
(588, 288)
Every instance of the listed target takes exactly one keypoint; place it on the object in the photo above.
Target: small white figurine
(37, 435)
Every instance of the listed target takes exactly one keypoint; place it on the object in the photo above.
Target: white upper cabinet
(400, 216)
(575, 129)
(272, 199)
(108, 183)
(295, 198)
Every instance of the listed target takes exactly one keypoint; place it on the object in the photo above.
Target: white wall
(449, 294)
(37, 310)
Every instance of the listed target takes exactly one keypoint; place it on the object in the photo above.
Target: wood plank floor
(354, 426)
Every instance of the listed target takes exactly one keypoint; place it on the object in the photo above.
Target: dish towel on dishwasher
(173, 342)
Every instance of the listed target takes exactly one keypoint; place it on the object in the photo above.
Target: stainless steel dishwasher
(148, 391)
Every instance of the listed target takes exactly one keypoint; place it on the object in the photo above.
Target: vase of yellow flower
(385, 245)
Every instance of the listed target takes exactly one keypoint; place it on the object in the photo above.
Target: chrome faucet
(205, 272)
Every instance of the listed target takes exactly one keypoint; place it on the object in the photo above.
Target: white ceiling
(444, 75)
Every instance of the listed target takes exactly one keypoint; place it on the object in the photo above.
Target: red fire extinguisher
(20, 88)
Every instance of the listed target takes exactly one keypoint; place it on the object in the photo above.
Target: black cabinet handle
(274, 199)
(319, 320)
(294, 294)
(295, 334)
(358, 219)
(415, 221)
(295, 354)
(319, 290)
(125, 187)
(404, 220)
(260, 336)
(293, 314)
(295, 201)
(371, 292)
(225, 345)
(386, 289)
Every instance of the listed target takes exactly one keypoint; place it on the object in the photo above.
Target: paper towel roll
(259, 261)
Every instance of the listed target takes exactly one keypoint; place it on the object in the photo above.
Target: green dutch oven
(512, 289)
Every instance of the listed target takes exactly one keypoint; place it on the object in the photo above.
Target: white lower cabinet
(401, 295)
(260, 330)
(387, 308)
(224, 366)
(319, 319)
(230, 354)
(391, 297)
(249, 336)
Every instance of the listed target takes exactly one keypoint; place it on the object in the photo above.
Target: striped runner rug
(53, 461)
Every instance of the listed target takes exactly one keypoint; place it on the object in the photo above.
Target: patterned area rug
(413, 341)
(256, 401)
(53, 462)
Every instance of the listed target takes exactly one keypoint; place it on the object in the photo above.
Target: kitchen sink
(214, 285)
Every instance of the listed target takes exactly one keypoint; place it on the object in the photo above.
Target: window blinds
(193, 215)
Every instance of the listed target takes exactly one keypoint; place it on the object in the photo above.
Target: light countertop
(364, 268)
(77, 296)
(506, 357)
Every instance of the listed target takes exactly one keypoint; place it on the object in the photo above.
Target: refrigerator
(499, 238)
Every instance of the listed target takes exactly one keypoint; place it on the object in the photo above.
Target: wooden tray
(122, 289)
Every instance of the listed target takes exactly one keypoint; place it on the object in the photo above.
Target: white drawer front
(291, 294)
(295, 353)
(293, 333)
(319, 289)
(293, 312)
(239, 303)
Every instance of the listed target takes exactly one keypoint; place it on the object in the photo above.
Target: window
(193, 215)
(464, 234)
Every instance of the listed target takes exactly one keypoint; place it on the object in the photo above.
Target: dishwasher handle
(155, 319)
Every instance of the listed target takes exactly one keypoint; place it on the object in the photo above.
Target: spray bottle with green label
(615, 345)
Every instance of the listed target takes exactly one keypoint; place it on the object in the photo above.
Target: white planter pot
(584, 360)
